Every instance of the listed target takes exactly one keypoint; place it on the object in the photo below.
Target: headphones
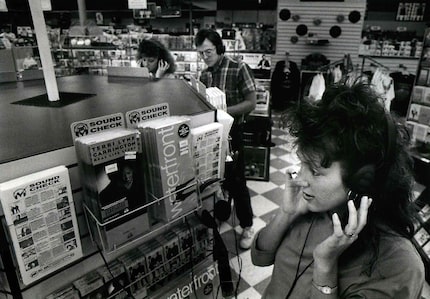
(222, 208)
(216, 39)
(220, 254)
(213, 37)
(220, 49)
(363, 180)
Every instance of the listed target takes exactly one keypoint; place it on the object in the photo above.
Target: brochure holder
(101, 232)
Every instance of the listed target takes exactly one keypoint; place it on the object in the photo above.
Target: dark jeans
(235, 182)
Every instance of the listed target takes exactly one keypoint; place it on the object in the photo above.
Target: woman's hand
(163, 66)
(327, 252)
(293, 201)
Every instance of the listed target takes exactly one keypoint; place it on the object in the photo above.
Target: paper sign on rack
(227, 121)
(3, 6)
(134, 117)
(41, 218)
(207, 151)
(97, 125)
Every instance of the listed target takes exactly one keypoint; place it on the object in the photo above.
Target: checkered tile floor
(265, 200)
(265, 197)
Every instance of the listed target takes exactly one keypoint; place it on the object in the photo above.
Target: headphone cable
(298, 275)
(114, 279)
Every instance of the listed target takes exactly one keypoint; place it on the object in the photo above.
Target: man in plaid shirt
(237, 81)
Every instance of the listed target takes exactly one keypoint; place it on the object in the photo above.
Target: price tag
(46, 5)
(3, 6)
(137, 4)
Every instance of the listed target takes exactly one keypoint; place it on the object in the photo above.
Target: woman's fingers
(363, 211)
(337, 225)
(357, 220)
(351, 227)
(163, 65)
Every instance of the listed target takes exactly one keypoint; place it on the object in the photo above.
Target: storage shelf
(92, 48)
(389, 56)
(170, 276)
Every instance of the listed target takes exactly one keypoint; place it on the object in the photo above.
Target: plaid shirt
(234, 78)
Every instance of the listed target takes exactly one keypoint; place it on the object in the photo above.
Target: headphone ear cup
(362, 181)
(220, 49)
(222, 210)
(207, 219)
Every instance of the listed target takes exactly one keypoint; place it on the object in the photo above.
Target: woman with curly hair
(346, 222)
(154, 55)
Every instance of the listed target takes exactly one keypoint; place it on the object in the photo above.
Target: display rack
(49, 144)
(177, 265)
(100, 231)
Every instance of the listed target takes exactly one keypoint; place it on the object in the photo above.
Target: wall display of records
(304, 29)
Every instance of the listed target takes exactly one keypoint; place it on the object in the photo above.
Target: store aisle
(266, 198)
(265, 201)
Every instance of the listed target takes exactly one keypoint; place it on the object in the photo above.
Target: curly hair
(154, 48)
(350, 125)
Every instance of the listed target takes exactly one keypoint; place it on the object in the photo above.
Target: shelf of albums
(418, 116)
(418, 122)
(95, 48)
(91, 49)
(106, 46)
(152, 241)
(390, 44)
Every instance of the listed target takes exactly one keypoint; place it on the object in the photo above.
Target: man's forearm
(243, 107)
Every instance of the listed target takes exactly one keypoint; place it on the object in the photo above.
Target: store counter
(27, 129)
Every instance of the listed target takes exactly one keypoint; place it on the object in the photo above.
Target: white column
(44, 50)
(82, 8)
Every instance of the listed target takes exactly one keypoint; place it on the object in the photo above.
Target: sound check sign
(134, 117)
(97, 125)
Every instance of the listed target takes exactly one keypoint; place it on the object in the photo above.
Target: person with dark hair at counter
(345, 226)
(157, 58)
